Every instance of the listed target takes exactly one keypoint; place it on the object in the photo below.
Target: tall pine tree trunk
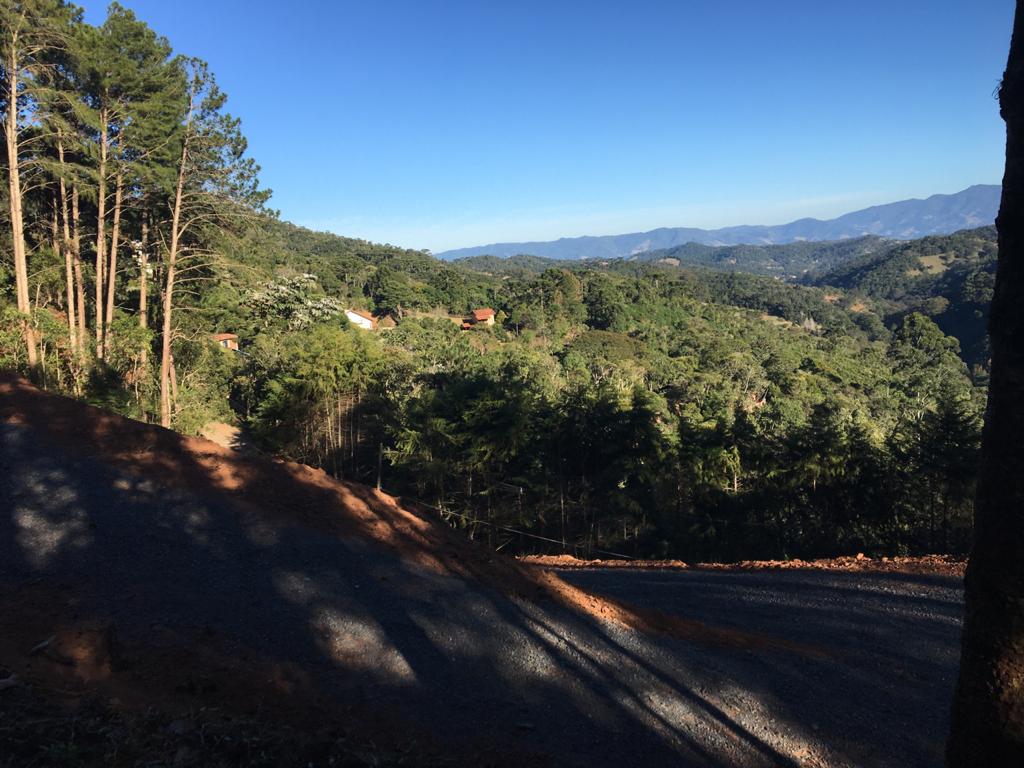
(115, 233)
(68, 258)
(14, 189)
(172, 258)
(60, 251)
(101, 233)
(143, 297)
(988, 708)
(76, 252)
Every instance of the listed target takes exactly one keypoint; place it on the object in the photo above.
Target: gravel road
(866, 681)
(881, 693)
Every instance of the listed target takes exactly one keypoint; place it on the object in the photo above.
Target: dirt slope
(266, 607)
(287, 493)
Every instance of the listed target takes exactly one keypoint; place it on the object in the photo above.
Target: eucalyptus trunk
(988, 707)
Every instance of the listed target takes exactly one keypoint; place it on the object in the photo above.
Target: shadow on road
(319, 596)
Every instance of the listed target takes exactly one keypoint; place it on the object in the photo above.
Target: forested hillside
(948, 278)
(625, 406)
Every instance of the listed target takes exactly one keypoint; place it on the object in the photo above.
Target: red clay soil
(188, 695)
(283, 492)
(940, 565)
(287, 493)
(59, 650)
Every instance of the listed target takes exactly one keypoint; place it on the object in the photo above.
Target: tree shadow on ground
(329, 597)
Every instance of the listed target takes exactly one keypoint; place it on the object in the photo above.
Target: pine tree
(136, 94)
(216, 185)
(30, 31)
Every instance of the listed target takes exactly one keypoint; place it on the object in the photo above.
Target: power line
(505, 528)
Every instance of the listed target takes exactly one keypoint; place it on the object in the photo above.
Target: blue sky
(435, 124)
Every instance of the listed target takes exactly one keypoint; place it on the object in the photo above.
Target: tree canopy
(634, 406)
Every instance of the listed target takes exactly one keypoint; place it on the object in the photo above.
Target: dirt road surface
(880, 693)
(827, 669)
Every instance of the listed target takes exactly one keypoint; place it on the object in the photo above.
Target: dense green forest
(628, 406)
(949, 278)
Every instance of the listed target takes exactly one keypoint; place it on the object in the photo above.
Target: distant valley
(973, 207)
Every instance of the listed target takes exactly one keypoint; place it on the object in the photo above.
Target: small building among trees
(485, 316)
(227, 340)
(362, 319)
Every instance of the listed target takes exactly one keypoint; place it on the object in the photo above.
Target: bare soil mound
(154, 572)
(285, 492)
(279, 491)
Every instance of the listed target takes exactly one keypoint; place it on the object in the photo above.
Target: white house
(364, 320)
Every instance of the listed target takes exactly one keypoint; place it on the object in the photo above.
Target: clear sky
(438, 124)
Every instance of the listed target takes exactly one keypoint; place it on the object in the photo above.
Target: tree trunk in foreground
(988, 708)
(60, 250)
(143, 307)
(172, 257)
(101, 234)
(14, 188)
(76, 253)
(115, 234)
(69, 267)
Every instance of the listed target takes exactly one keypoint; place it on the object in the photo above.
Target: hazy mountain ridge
(791, 261)
(788, 261)
(940, 214)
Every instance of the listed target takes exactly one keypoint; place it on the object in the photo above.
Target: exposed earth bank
(164, 600)
(941, 565)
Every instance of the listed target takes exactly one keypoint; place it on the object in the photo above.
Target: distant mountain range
(975, 206)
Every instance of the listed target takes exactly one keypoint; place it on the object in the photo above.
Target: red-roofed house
(227, 340)
(362, 318)
(485, 316)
